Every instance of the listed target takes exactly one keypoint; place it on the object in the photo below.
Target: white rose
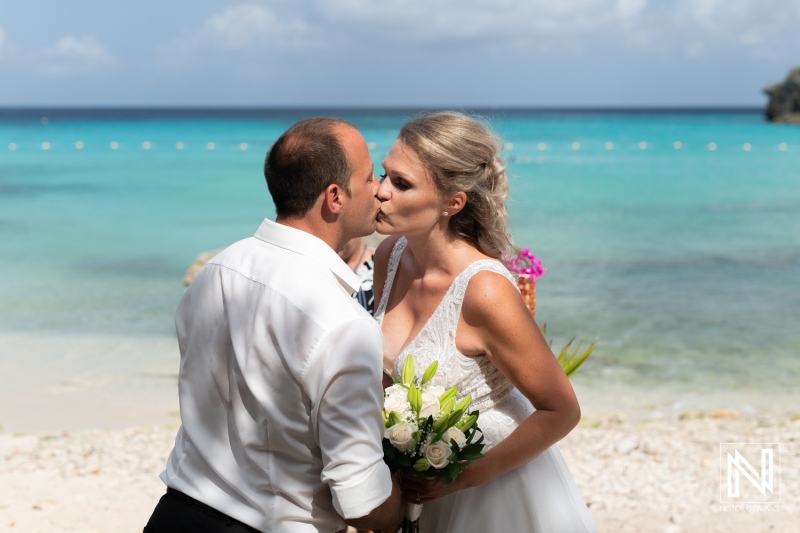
(435, 389)
(396, 399)
(437, 454)
(456, 435)
(430, 404)
(401, 436)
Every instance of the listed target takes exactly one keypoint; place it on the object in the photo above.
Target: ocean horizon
(670, 235)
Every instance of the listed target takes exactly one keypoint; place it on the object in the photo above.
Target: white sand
(70, 382)
(656, 475)
(89, 481)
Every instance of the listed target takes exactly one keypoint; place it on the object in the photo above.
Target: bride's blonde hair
(461, 154)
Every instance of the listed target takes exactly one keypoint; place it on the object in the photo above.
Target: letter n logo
(740, 481)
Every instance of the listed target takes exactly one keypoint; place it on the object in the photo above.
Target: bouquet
(428, 431)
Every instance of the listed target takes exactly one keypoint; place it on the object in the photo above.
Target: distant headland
(784, 99)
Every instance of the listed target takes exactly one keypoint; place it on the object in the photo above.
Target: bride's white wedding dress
(540, 496)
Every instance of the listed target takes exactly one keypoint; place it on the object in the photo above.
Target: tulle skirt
(540, 496)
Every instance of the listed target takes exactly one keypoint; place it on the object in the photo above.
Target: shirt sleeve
(343, 381)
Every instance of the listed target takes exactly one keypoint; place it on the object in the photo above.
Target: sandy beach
(637, 471)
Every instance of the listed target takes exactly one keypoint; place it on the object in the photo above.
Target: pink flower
(523, 263)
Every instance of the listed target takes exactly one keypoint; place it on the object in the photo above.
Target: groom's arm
(386, 517)
(343, 381)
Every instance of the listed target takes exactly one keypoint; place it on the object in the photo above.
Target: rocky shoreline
(658, 475)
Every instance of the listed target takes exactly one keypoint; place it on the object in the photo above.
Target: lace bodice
(502, 407)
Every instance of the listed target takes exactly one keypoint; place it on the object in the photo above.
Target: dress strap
(460, 284)
(394, 261)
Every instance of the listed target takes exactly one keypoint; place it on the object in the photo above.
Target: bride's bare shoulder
(490, 295)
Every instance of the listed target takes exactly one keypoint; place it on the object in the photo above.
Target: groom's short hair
(303, 162)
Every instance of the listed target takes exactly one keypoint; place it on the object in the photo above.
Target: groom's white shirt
(280, 387)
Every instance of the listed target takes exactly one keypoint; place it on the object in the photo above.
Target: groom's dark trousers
(178, 513)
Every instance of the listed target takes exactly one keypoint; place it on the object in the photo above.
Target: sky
(395, 53)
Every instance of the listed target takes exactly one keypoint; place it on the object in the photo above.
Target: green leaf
(563, 354)
(472, 448)
(570, 358)
(403, 460)
(574, 364)
(455, 447)
(453, 469)
(470, 434)
(478, 442)
(389, 451)
(445, 476)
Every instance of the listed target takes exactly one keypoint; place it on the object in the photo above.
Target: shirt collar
(314, 248)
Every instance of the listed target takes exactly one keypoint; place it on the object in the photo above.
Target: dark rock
(784, 99)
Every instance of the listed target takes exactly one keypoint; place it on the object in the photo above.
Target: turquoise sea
(672, 237)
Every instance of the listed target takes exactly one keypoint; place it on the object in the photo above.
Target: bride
(443, 295)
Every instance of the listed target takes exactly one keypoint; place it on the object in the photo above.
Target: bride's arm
(496, 322)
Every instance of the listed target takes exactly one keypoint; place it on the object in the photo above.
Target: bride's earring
(444, 214)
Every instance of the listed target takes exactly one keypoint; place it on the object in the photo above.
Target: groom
(280, 375)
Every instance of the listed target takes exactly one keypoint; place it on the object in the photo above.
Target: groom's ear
(333, 199)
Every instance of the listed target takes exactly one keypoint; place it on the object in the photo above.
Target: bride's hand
(420, 490)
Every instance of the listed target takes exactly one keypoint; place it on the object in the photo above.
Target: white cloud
(264, 40)
(484, 18)
(71, 48)
(661, 26)
(761, 27)
(642, 25)
(71, 55)
(249, 25)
